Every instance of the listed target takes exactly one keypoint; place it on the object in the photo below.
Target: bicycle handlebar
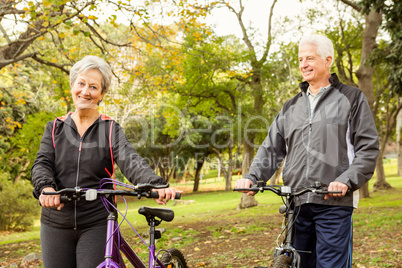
(140, 190)
(287, 191)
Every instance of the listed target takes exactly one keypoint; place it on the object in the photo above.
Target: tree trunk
(228, 184)
(365, 71)
(247, 201)
(399, 141)
(200, 163)
(380, 183)
(162, 172)
(277, 175)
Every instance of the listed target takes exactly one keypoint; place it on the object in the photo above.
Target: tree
(209, 98)
(57, 20)
(390, 55)
(365, 72)
(387, 107)
(258, 80)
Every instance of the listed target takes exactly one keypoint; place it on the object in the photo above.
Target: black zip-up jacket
(337, 141)
(65, 160)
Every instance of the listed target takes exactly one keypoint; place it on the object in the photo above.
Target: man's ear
(328, 61)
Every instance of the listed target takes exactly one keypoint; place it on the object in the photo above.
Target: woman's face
(86, 90)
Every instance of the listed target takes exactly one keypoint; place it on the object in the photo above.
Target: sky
(256, 13)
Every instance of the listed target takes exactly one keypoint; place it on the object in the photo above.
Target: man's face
(313, 68)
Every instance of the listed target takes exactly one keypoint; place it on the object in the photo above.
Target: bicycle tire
(282, 261)
(174, 257)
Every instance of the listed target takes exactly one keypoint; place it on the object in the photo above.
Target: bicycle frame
(116, 243)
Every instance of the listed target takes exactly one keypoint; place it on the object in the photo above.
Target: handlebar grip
(330, 192)
(155, 195)
(64, 199)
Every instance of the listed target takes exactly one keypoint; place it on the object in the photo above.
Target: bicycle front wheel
(282, 261)
(174, 257)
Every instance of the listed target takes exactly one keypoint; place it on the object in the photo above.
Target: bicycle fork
(286, 247)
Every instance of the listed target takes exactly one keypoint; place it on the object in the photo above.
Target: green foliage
(347, 40)
(391, 54)
(18, 208)
(15, 104)
(24, 146)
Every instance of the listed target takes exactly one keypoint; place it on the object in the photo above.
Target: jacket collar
(333, 80)
(68, 120)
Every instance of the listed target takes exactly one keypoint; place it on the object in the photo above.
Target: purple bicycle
(115, 243)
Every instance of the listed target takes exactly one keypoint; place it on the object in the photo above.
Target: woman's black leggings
(66, 248)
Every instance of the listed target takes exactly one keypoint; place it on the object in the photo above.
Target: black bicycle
(285, 255)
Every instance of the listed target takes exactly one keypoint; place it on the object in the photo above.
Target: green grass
(15, 237)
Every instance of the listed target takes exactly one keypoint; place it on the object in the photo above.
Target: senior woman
(78, 150)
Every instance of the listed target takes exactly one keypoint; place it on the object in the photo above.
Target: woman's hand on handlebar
(336, 186)
(244, 183)
(50, 201)
(165, 195)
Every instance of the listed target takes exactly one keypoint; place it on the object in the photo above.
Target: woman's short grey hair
(324, 45)
(92, 62)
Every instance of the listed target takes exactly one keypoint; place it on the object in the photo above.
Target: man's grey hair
(324, 45)
(92, 62)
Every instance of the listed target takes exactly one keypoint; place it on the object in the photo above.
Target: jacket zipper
(76, 183)
(310, 115)
(78, 173)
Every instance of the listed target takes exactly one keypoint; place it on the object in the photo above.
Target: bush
(18, 207)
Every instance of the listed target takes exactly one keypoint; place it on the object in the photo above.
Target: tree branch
(246, 39)
(269, 40)
(353, 4)
(93, 30)
(4, 63)
(5, 34)
(58, 66)
(11, 52)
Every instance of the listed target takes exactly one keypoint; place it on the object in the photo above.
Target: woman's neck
(84, 119)
(85, 116)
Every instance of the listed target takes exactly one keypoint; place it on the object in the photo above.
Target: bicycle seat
(164, 214)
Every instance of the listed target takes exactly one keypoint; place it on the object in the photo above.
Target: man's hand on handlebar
(50, 201)
(244, 183)
(165, 195)
(336, 186)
